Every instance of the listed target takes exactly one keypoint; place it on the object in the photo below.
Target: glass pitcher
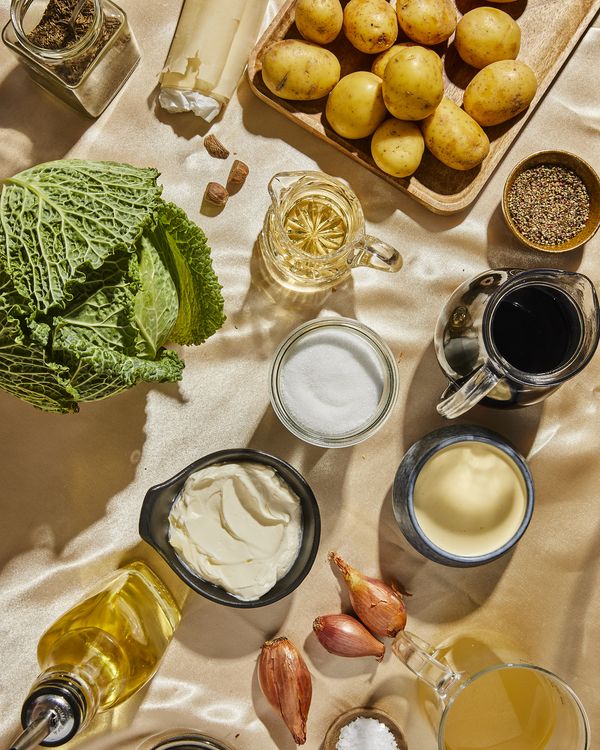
(314, 233)
(506, 706)
(512, 337)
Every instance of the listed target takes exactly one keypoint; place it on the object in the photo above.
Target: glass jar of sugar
(333, 382)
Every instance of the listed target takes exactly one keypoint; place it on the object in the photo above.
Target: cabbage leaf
(97, 274)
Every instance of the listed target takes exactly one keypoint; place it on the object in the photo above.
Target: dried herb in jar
(56, 31)
(549, 204)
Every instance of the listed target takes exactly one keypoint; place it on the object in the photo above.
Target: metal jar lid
(188, 741)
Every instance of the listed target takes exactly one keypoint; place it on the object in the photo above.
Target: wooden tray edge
(428, 201)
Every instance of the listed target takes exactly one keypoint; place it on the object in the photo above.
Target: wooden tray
(550, 29)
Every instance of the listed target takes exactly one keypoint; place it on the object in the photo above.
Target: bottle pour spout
(52, 714)
(36, 732)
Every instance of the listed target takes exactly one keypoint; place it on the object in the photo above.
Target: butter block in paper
(208, 54)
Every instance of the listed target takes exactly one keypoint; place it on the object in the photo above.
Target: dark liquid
(536, 328)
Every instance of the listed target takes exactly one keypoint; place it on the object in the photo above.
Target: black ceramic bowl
(154, 526)
(406, 476)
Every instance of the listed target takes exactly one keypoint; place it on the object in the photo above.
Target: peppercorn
(549, 204)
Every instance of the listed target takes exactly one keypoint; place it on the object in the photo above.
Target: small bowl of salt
(364, 729)
(333, 382)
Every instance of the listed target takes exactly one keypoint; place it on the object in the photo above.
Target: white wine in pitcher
(317, 224)
(506, 709)
(314, 233)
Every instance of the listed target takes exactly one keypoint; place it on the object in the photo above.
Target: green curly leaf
(97, 273)
(60, 218)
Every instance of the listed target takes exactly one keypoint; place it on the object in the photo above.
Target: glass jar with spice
(82, 51)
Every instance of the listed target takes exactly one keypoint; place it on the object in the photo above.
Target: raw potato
(397, 147)
(454, 137)
(319, 21)
(486, 35)
(370, 25)
(413, 84)
(380, 62)
(355, 106)
(299, 71)
(500, 91)
(427, 21)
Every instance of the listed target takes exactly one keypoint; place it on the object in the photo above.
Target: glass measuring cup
(510, 706)
(513, 337)
(314, 233)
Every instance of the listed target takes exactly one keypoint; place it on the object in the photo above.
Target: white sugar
(366, 734)
(332, 381)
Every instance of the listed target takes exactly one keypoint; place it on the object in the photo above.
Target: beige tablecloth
(72, 485)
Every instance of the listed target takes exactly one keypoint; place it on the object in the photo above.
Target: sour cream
(238, 526)
(470, 498)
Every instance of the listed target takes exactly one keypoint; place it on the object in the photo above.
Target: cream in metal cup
(454, 525)
(333, 382)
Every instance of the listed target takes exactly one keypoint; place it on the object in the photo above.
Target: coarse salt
(366, 734)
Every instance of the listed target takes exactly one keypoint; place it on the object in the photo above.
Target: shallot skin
(286, 683)
(379, 606)
(344, 635)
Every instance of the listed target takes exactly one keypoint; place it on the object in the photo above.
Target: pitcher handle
(375, 253)
(421, 659)
(470, 393)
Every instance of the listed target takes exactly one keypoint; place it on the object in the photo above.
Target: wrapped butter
(208, 54)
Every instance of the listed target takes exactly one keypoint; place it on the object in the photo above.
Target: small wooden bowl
(333, 733)
(588, 176)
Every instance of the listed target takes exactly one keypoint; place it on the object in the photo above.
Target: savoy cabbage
(97, 274)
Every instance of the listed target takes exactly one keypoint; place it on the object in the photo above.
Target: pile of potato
(406, 80)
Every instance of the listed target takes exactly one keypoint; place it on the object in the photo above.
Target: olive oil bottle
(97, 654)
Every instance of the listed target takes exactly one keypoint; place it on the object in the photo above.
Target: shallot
(379, 606)
(344, 635)
(286, 683)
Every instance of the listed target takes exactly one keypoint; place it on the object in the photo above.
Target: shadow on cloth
(518, 426)
(269, 312)
(505, 251)
(49, 127)
(61, 470)
(323, 469)
(219, 632)
(439, 593)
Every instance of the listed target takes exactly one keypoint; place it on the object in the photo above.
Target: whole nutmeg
(237, 176)
(216, 194)
(215, 148)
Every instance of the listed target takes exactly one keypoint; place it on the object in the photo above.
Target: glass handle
(470, 393)
(420, 658)
(375, 253)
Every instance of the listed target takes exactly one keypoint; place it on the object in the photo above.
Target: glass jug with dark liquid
(511, 337)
